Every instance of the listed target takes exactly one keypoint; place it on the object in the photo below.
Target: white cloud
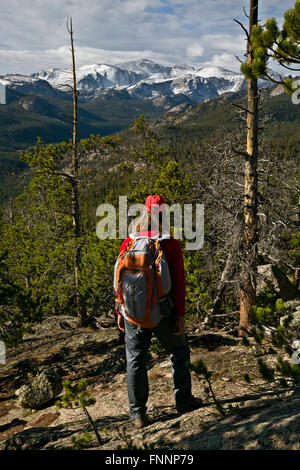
(33, 33)
(225, 60)
(26, 61)
(224, 42)
(195, 50)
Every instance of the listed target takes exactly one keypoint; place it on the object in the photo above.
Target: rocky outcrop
(262, 422)
(277, 90)
(45, 386)
(293, 327)
(271, 276)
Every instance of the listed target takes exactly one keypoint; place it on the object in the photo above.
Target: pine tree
(46, 238)
(264, 43)
(39, 242)
(269, 42)
(17, 309)
(78, 396)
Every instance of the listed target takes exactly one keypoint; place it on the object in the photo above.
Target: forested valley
(57, 304)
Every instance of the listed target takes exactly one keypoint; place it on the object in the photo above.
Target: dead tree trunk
(248, 282)
(214, 313)
(222, 284)
(80, 304)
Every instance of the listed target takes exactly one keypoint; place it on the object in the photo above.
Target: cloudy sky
(33, 33)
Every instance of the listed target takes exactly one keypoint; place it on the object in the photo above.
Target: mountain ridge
(140, 79)
(35, 108)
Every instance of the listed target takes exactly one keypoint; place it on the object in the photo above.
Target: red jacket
(173, 253)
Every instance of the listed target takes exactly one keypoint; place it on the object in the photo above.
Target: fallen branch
(255, 396)
(231, 314)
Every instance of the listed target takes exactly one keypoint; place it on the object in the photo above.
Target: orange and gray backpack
(142, 281)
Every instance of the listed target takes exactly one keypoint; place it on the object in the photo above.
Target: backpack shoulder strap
(128, 245)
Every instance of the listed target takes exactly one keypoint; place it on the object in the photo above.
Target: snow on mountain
(114, 76)
(144, 79)
(217, 72)
(91, 77)
(196, 85)
(4, 82)
(190, 88)
(27, 84)
(224, 80)
(196, 88)
(56, 77)
(144, 67)
(140, 79)
(180, 70)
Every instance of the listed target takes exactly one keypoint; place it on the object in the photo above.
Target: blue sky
(33, 33)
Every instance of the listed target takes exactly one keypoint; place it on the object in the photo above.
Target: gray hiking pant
(137, 345)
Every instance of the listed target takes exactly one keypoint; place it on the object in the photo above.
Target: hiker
(166, 322)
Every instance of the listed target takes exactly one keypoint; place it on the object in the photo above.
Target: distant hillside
(27, 116)
(194, 123)
(110, 97)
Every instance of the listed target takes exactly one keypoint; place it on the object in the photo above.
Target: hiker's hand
(179, 327)
(121, 325)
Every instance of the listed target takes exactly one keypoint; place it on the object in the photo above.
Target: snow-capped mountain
(224, 80)
(139, 79)
(144, 67)
(28, 84)
(91, 77)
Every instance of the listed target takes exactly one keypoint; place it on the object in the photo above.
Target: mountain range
(111, 97)
(139, 79)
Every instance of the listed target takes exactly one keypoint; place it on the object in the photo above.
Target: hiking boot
(140, 421)
(191, 404)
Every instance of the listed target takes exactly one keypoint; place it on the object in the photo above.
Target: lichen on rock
(45, 386)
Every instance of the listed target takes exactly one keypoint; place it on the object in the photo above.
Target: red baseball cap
(153, 203)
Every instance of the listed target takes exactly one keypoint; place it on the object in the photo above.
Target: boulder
(277, 90)
(293, 327)
(271, 276)
(44, 387)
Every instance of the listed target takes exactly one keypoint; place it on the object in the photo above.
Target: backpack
(142, 281)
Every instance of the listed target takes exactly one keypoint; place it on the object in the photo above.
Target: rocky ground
(262, 422)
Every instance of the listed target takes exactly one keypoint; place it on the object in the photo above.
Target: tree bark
(248, 283)
(214, 314)
(222, 283)
(93, 426)
(80, 304)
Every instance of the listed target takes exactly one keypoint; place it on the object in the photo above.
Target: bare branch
(246, 14)
(240, 152)
(244, 29)
(242, 108)
(238, 59)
